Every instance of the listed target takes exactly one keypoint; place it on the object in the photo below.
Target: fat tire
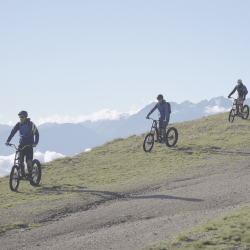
(167, 137)
(37, 175)
(145, 141)
(231, 115)
(247, 114)
(14, 169)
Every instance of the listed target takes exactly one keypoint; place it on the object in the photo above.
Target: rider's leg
(160, 128)
(239, 106)
(164, 133)
(21, 157)
(29, 165)
(29, 158)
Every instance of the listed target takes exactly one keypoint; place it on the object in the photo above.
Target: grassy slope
(122, 165)
(227, 231)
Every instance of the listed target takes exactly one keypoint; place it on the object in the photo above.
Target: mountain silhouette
(69, 138)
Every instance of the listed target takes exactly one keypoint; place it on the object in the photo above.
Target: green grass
(228, 230)
(12, 225)
(121, 165)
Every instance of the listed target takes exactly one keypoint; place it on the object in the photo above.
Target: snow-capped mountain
(71, 138)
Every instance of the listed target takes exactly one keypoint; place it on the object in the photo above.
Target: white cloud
(133, 110)
(6, 162)
(217, 101)
(10, 123)
(87, 149)
(104, 114)
(48, 156)
(215, 109)
(175, 112)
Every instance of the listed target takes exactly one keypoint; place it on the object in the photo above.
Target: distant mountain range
(69, 138)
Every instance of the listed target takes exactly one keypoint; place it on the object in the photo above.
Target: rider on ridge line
(163, 115)
(27, 130)
(242, 92)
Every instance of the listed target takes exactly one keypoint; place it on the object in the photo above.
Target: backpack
(169, 108)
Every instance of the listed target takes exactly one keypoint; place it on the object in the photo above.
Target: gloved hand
(165, 120)
(7, 143)
(243, 99)
(147, 117)
(229, 96)
(34, 145)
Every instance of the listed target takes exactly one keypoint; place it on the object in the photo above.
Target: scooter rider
(164, 115)
(242, 92)
(27, 130)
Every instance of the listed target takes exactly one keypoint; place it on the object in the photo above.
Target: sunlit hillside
(121, 166)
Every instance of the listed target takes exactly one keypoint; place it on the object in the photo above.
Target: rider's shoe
(21, 177)
(163, 140)
(29, 176)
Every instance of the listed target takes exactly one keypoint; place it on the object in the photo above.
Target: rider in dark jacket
(27, 131)
(164, 116)
(242, 92)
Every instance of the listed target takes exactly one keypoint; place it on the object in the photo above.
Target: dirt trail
(134, 221)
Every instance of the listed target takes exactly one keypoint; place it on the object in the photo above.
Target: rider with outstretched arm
(164, 116)
(27, 131)
(242, 92)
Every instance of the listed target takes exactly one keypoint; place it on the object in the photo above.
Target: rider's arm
(233, 91)
(13, 132)
(35, 133)
(37, 137)
(166, 111)
(245, 92)
(152, 110)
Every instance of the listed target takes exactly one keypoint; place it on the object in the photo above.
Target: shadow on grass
(116, 195)
(226, 152)
(213, 150)
(80, 190)
(164, 197)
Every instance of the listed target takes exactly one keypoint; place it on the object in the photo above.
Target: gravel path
(135, 221)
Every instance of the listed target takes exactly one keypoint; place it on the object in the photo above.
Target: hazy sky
(70, 58)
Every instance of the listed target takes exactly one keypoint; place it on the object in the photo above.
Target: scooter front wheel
(14, 178)
(231, 115)
(148, 142)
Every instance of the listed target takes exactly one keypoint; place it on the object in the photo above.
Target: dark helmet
(23, 112)
(159, 97)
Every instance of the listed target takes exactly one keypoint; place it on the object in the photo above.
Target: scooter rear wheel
(171, 137)
(245, 112)
(36, 173)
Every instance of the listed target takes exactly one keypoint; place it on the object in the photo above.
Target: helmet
(23, 112)
(159, 97)
(239, 81)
